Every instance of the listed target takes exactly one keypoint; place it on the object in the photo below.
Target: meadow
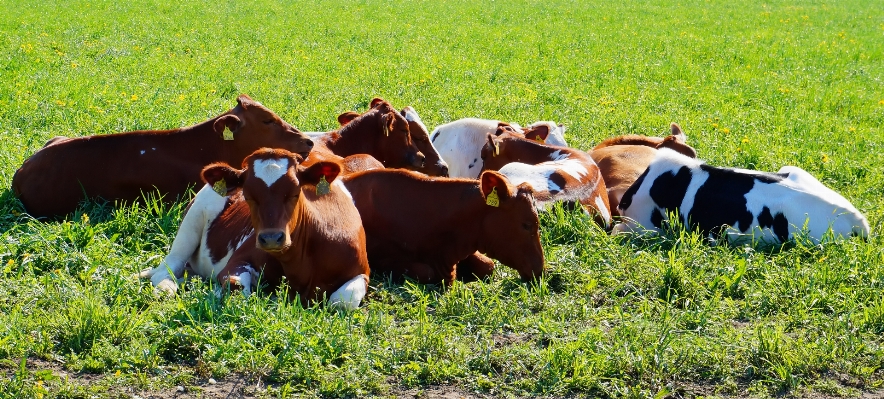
(753, 84)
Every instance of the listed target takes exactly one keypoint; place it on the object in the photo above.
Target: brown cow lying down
(464, 216)
(120, 167)
(433, 165)
(381, 132)
(556, 173)
(623, 159)
(285, 221)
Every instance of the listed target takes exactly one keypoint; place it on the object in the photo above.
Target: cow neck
(203, 141)
(465, 219)
(355, 137)
(531, 152)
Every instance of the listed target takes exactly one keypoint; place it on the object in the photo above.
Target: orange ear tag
(322, 188)
(228, 135)
(220, 187)
(492, 198)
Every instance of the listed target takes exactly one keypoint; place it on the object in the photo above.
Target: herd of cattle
(319, 210)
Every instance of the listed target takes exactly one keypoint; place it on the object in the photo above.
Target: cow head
(510, 227)
(433, 163)
(252, 126)
(537, 133)
(274, 186)
(383, 133)
(505, 146)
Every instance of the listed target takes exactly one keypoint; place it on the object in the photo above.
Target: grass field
(754, 85)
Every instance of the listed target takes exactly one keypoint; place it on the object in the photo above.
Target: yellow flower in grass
(59, 103)
(744, 140)
(725, 130)
(825, 158)
(133, 98)
(881, 102)
(852, 129)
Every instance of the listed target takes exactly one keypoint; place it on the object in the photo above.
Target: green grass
(754, 85)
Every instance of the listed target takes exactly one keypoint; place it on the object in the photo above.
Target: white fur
(412, 116)
(339, 185)
(538, 176)
(801, 198)
(350, 295)
(460, 143)
(189, 243)
(603, 210)
(270, 170)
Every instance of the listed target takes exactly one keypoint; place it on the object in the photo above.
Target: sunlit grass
(754, 85)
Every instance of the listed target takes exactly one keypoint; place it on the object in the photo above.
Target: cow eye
(268, 122)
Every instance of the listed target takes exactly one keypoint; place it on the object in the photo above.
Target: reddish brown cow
(555, 173)
(623, 159)
(433, 163)
(489, 216)
(120, 167)
(277, 219)
(381, 132)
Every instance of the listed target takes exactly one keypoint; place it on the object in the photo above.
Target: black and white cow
(754, 206)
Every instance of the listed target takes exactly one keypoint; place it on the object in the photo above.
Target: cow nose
(444, 170)
(309, 143)
(271, 240)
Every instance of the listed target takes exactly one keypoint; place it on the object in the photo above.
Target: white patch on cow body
(603, 210)
(538, 176)
(339, 185)
(270, 170)
(189, 240)
(349, 295)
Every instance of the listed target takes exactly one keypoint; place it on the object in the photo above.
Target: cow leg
(421, 272)
(350, 294)
(206, 206)
(475, 267)
(240, 276)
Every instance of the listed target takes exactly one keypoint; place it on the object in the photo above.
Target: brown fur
(324, 242)
(421, 227)
(380, 132)
(53, 181)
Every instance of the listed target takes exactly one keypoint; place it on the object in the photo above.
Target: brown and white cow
(623, 159)
(275, 219)
(421, 227)
(120, 167)
(556, 173)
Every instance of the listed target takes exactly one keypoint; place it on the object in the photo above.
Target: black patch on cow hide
(626, 201)
(559, 180)
(669, 188)
(433, 139)
(721, 200)
(779, 224)
(657, 218)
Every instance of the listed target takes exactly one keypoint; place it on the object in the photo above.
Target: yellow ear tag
(492, 198)
(322, 188)
(496, 149)
(220, 187)
(540, 140)
(228, 135)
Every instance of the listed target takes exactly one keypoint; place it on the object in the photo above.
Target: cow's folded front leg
(475, 267)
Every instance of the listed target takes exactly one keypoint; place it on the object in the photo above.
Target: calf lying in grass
(740, 205)
(272, 219)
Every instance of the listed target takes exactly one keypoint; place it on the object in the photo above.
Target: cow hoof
(166, 287)
(146, 273)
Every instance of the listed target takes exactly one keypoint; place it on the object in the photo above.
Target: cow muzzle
(271, 240)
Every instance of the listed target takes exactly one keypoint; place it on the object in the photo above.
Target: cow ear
(228, 121)
(673, 143)
(388, 121)
(503, 127)
(218, 172)
(677, 132)
(375, 101)
(493, 184)
(313, 174)
(539, 133)
(492, 146)
(347, 117)
(244, 101)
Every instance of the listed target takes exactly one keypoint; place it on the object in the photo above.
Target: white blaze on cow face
(350, 294)
(270, 170)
